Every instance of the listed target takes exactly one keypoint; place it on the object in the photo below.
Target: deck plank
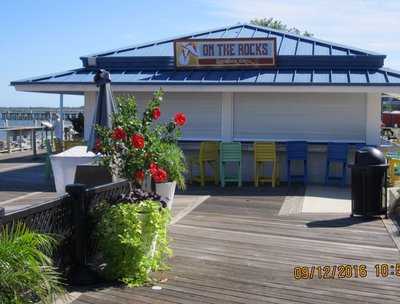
(22, 181)
(238, 249)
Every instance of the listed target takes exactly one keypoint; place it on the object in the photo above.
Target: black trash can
(368, 183)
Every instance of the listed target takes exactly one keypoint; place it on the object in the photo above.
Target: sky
(39, 37)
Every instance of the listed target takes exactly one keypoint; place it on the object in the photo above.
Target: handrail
(29, 210)
(68, 216)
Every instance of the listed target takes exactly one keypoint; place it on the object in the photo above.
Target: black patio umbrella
(105, 106)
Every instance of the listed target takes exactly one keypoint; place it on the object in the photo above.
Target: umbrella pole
(62, 116)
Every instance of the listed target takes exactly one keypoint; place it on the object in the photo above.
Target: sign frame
(228, 66)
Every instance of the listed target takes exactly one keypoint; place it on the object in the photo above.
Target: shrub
(127, 234)
(27, 273)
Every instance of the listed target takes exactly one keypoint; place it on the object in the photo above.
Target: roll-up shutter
(202, 110)
(317, 117)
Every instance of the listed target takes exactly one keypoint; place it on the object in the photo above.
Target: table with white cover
(64, 165)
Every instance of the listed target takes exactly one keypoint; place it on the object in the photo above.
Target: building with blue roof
(315, 90)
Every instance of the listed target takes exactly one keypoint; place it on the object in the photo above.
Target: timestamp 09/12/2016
(345, 271)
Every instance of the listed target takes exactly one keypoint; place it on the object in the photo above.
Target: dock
(19, 133)
(25, 113)
(22, 180)
(234, 245)
(235, 248)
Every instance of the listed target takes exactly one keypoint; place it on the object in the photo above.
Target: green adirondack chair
(230, 152)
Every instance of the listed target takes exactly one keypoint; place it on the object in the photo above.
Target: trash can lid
(369, 156)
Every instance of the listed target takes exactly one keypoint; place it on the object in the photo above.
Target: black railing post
(81, 274)
(2, 214)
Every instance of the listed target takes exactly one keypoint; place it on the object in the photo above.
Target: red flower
(160, 176)
(118, 134)
(156, 113)
(153, 168)
(139, 175)
(180, 119)
(98, 145)
(137, 141)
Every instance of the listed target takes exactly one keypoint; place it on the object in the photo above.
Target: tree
(279, 25)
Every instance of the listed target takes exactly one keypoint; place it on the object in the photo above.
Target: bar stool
(230, 152)
(337, 153)
(297, 151)
(208, 154)
(265, 152)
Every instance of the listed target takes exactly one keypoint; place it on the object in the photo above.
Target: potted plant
(140, 148)
(132, 238)
(173, 161)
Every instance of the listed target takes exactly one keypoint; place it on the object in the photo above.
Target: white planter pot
(64, 165)
(146, 183)
(153, 245)
(167, 190)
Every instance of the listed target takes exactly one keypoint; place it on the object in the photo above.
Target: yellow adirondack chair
(62, 145)
(208, 154)
(265, 152)
(394, 171)
(72, 143)
(58, 146)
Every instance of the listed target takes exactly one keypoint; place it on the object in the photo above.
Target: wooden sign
(225, 53)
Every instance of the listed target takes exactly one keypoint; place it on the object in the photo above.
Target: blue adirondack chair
(337, 153)
(296, 151)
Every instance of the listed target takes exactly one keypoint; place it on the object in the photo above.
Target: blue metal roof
(287, 43)
(300, 61)
(293, 51)
(379, 77)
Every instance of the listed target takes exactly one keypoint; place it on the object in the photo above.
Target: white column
(227, 116)
(61, 135)
(89, 108)
(373, 119)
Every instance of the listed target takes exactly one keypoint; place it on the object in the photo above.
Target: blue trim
(13, 83)
(290, 62)
(273, 77)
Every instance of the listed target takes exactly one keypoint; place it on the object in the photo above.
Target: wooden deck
(22, 180)
(235, 248)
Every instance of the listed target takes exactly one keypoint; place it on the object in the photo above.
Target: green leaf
(126, 233)
(27, 271)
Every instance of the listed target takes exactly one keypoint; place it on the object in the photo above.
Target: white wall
(373, 119)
